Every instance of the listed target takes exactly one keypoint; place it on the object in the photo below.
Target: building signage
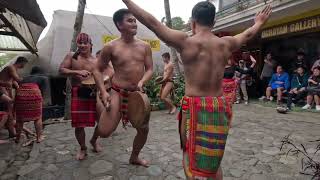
(154, 43)
(292, 27)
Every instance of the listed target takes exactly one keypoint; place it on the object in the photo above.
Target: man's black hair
(118, 16)
(204, 13)
(21, 60)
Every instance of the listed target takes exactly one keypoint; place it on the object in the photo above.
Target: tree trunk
(77, 29)
(174, 58)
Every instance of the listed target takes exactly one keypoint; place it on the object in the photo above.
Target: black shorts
(313, 91)
(314, 94)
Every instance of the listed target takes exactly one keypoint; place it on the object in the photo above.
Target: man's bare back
(204, 62)
(204, 55)
(9, 75)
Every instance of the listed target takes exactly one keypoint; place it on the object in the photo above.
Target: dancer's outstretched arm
(171, 37)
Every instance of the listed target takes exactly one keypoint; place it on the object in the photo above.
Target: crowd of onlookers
(298, 84)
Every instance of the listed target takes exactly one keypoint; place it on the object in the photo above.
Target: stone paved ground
(252, 151)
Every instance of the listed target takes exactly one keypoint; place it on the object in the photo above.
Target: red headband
(83, 38)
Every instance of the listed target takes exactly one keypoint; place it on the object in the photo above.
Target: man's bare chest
(83, 64)
(128, 57)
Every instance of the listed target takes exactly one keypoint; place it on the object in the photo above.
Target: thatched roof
(21, 23)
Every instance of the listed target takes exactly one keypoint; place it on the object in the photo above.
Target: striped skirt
(229, 90)
(28, 103)
(207, 126)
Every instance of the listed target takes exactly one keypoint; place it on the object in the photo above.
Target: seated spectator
(279, 83)
(299, 82)
(317, 62)
(313, 89)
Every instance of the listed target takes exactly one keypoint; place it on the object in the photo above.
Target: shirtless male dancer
(132, 62)
(83, 102)
(9, 75)
(206, 116)
(167, 83)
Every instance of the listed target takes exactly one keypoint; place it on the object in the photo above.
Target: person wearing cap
(242, 73)
(299, 62)
(78, 66)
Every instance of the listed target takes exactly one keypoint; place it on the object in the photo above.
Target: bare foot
(139, 162)
(28, 142)
(173, 110)
(96, 146)
(3, 141)
(81, 155)
(12, 135)
(17, 139)
(40, 139)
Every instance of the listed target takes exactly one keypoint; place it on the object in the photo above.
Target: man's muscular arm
(171, 37)
(14, 74)
(66, 68)
(5, 84)
(148, 66)
(102, 65)
(235, 42)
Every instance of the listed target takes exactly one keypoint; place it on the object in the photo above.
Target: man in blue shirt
(279, 83)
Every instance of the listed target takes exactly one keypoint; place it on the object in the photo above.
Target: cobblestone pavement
(252, 151)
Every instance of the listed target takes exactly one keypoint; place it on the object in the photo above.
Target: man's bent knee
(103, 133)
(162, 98)
(269, 89)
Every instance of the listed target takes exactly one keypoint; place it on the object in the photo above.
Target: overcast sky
(180, 8)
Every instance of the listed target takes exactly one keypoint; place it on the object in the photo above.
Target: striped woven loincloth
(28, 103)
(207, 126)
(124, 94)
(83, 107)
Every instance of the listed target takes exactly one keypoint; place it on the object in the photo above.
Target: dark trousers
(264, 84)
(296, 98)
